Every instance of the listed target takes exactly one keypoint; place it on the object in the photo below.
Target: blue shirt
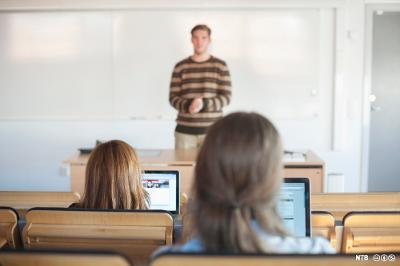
(278, 244)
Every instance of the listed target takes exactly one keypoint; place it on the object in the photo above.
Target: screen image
(162, 189)
(293, 209)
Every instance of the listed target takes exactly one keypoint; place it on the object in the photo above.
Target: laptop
(163, 188)
(294, 206)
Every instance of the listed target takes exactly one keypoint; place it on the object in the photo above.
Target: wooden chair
(323, 224)
(365, 232)
(61, 258)
(136, 234)
(9, 234)
(339, 204)
(181, 259)
(25, 200)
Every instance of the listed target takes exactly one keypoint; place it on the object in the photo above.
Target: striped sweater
(211, 81)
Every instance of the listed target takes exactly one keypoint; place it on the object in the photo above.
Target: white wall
(32, 151)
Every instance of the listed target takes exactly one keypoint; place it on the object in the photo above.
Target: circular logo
(392, 257)
(376, 257)
(384, 257)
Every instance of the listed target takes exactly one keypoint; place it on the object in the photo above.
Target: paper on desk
(294, 157)
(148, 153)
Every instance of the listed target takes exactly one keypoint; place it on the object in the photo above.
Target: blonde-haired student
(113, 179)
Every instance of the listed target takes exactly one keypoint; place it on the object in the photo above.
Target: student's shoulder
(305, 245)
(184, 61)
(218, 60)
(192, 246)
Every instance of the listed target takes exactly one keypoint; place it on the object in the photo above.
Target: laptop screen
(163, 189)
(294, 206)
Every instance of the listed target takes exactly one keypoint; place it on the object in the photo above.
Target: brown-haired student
(113, 179)
(237, 182)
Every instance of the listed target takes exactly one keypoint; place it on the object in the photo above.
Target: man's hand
(196, 105)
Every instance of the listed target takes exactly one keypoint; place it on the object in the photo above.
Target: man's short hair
(201, 27)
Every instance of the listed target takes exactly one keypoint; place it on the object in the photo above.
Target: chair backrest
(61, 258)
(339, 204)
(365, 232)
(323, 224)
(136, 234)
(25, 200)
(262, 260)
(9, 236)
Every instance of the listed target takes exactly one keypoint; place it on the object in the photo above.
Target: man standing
(200, 88)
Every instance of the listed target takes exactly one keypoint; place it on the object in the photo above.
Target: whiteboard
(117, 64)
(55, 65)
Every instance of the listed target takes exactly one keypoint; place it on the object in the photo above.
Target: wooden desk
(62, 258)
(313, 168)
(25, 200)
(184, 162)
(339, 204)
